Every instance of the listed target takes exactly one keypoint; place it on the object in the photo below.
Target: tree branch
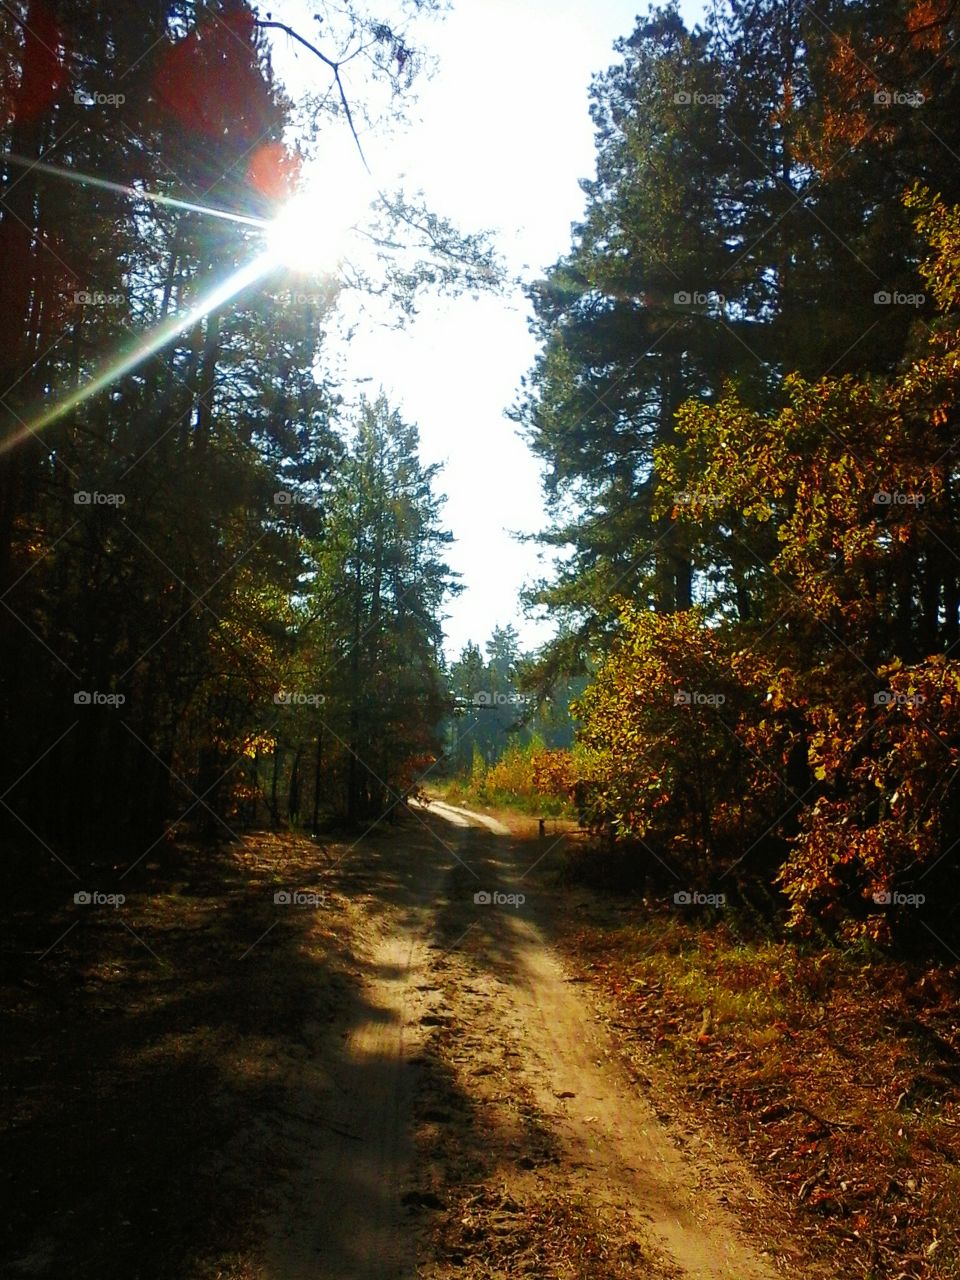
(334, 67)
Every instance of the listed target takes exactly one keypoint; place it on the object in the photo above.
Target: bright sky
(500, 137)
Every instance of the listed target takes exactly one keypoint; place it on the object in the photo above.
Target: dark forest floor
(142, 1059)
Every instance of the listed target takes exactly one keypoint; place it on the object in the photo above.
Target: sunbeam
(286, 236)
(149, 344)
(153, 197)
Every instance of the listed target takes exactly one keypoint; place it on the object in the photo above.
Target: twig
(334, 67)
(827, 1124)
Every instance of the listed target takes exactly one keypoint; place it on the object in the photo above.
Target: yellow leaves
(761, 511)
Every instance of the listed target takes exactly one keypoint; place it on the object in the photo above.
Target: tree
(733, 235)
(830, 745)
(631, 323)
(159, 478)
(372, 642)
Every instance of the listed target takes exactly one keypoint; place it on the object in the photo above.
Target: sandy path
(527, 1081)
(342, 1217)
(626, 1154)
(617, 1151)
(467, 818)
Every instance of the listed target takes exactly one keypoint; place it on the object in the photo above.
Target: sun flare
(313, 231)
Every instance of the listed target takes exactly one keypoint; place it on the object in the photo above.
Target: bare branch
(334, 67)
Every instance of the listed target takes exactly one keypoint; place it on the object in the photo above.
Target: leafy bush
(529, 777)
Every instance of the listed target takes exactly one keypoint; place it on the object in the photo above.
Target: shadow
(161, 1064)
(495, 864)
(201, 1072)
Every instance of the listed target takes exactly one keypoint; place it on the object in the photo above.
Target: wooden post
(543, 828)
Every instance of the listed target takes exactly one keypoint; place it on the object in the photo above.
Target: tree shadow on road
(154, 1048)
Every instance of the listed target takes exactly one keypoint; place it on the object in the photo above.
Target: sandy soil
(474, 1116)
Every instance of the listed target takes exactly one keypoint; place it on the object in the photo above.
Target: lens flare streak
(153, 197)
(151, 342)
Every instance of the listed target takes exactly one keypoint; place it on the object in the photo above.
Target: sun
(314, 229)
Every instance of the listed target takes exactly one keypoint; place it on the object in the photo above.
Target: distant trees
(504, 704)
(490, 709)
(368, 623)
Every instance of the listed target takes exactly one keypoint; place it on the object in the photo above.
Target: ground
(382, 1077)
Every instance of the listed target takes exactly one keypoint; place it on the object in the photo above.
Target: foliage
(745, 401)
(164, 541)
(527, 776)
(670, 739)
(370, 631)
(829, 722)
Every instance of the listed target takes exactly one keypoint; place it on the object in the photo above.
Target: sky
(499, 139)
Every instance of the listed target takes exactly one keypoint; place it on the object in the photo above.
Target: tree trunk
(17, 254)
(274, 785)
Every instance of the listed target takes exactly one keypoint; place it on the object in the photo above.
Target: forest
(227, 578)
(223, 590)
(212, 574)
(745, 404)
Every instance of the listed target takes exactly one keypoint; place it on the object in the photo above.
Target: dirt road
(474, 1117)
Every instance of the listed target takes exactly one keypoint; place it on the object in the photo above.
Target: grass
(463, 791)
(516, 780)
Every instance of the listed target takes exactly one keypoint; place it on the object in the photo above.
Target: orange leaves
(660, 723)
(927, 22)
(705, 736)
(849, 477)
(554, 773)
(889, 757)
